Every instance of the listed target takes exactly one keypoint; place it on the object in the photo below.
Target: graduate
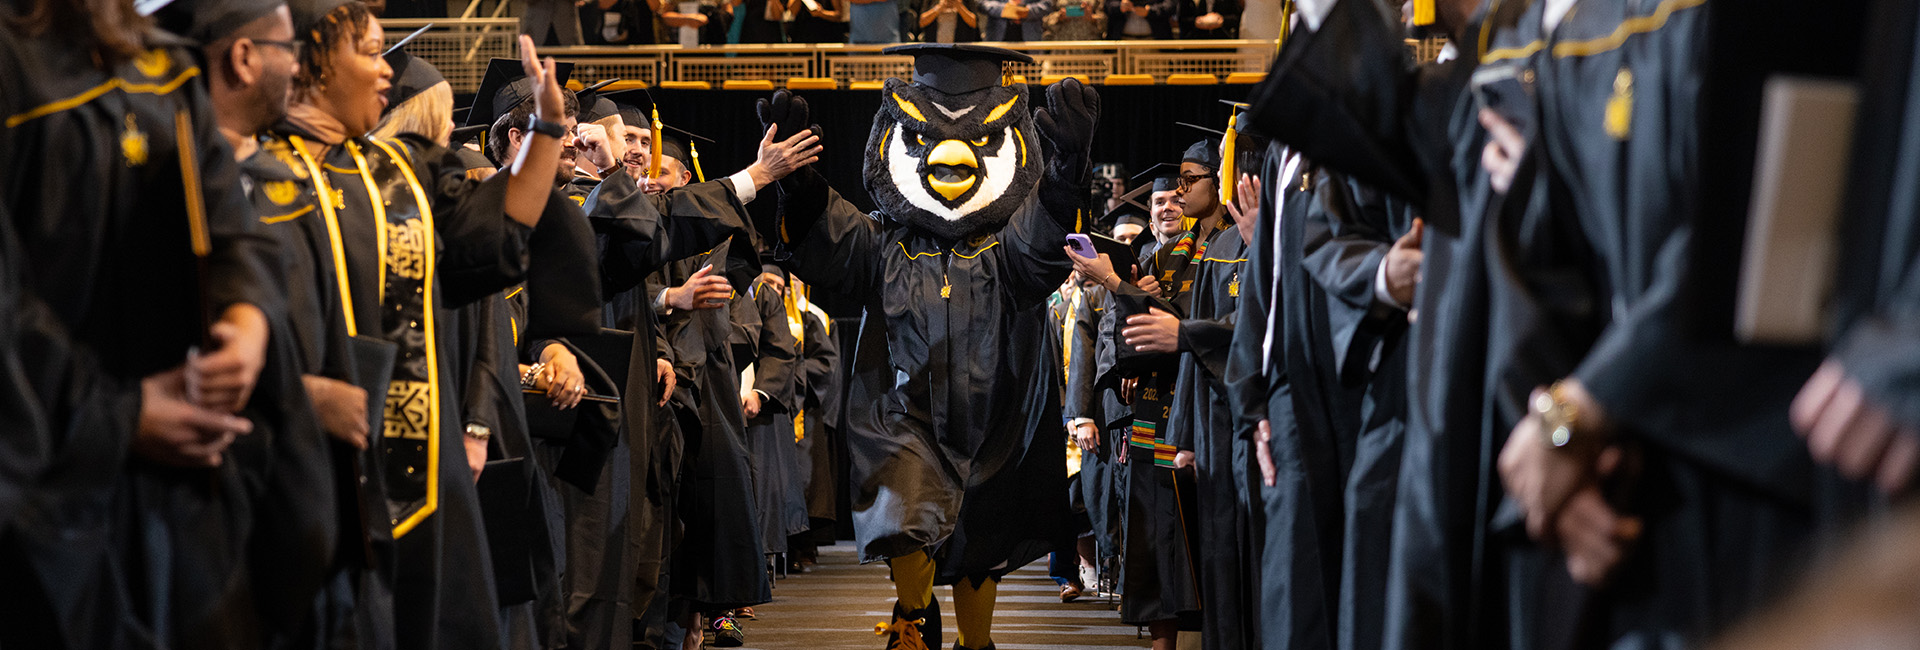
(151, 330)
(961, 257)
(769, 397)
(645, 218)
(1327, 99)
(434, 240)
(1159, 584)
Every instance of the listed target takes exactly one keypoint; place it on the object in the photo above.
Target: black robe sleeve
(482, 249)
(777, 363)
(642, 233)
(1083, 394)
(1346, 242)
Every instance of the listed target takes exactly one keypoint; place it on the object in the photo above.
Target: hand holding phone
(1082, 245)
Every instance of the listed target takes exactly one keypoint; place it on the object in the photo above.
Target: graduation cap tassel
(198, 239)
(653, 161)
(1423, 12)
(1227, 166)
(1286, 26)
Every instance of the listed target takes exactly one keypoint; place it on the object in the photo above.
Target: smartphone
(1082, 245)
(1075, 11)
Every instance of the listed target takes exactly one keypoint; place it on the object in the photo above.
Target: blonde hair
(428, 114)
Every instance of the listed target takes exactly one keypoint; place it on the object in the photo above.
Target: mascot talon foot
(912, 630)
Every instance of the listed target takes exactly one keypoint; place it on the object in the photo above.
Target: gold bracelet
(1558, 416)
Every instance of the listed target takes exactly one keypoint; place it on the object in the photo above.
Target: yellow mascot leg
(913, 580)
(973, 612)
(913, 586)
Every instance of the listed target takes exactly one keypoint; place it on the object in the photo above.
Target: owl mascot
(953, 421)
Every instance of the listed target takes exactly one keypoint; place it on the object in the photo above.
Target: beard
(565, 171)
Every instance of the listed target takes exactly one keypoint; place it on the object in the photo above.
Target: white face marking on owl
(997, 168)
(954, 165)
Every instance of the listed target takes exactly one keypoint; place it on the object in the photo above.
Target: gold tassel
(694, 151)
(1423, 12)
(653, 166)
(1620, 106)
(1227, 166)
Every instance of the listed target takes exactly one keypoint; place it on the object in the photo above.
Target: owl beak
(952, 169)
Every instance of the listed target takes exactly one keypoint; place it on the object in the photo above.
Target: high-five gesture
(1067, 124)
(549, 104)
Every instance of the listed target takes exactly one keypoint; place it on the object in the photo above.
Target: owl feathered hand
(804, 190)
(1067, 124)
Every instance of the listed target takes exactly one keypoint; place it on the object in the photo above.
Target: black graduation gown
(818, 383)
(1345, 242)
(770, 445)
(1202, 422)
(1724, 484)
(109, 295)
(953, 417)
(719, 563)
(1087, 398)
(638, 234)
(1351, 102)
(446, 243)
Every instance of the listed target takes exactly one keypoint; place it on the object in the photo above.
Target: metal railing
(460, 47)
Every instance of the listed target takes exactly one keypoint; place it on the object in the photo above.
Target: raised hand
(549, 104)
(1403, 265)
(1068, 121)
(784, 110)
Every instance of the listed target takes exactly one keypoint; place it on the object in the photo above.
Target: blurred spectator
(1147, 19)
(1210, 18)
(694, 22)
(552, 22)
(817, 21)
(947, 21)
(874, 22)
(617, 22)
(1077, 20)
(758, 21)
(1015, 20)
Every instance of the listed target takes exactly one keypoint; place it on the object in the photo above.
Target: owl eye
(980, 141)
(920, 139)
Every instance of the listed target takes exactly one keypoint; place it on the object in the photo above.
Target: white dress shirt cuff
(743, 186)
(1381, 296)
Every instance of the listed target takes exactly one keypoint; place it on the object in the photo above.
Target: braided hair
(347, 23)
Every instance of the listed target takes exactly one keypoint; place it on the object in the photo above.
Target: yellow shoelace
(909, 632)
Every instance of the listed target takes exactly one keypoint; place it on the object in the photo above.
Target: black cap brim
(208, 21)
(957, 69)
(504, 87)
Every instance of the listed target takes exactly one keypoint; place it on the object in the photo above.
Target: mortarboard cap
(465, 134)
(504, 87)
(207, 21)
(1205, 153)
(957, 69)
(412, 75)
(594, 105)
(1131, 218)
(307, 13)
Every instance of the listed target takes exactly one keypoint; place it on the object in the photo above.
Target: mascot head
(954, 152)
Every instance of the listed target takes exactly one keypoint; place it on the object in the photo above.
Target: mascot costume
(953, 417)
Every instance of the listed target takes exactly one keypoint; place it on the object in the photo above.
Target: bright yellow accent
(1128, 80)
(1192, 80)
(575, 85)
(686, 85)
(288, 216)
(1423, 12)
(1215, 259)
(973, 611)
(914, 256)
(95, 92)
(908, 108)
(956, 153)
(812, 83)
(153, 63)
(433, 362)
(516, 291)
(379, 215)
(1021, 139)
(865, 85)
(1246, 77)
(884, 133)
(913, 580)
(321, 189)
(746, 84)
(280, 192)
(693, 151)
(133, 143)
(190, 177)
(653, 159)
(1001, 110)
(1620, 106)
(1627, 28)
(624, 84)
(1506, 53)
(1051, 79)
(1228, 177)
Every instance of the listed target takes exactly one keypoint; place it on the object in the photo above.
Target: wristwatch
(1558, 417)
(479, 431)
(553, 130)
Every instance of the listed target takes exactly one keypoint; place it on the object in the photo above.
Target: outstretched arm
(1066, 126)
(819, 235)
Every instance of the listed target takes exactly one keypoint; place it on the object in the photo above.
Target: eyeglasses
(292, 47)
(1187, 181)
